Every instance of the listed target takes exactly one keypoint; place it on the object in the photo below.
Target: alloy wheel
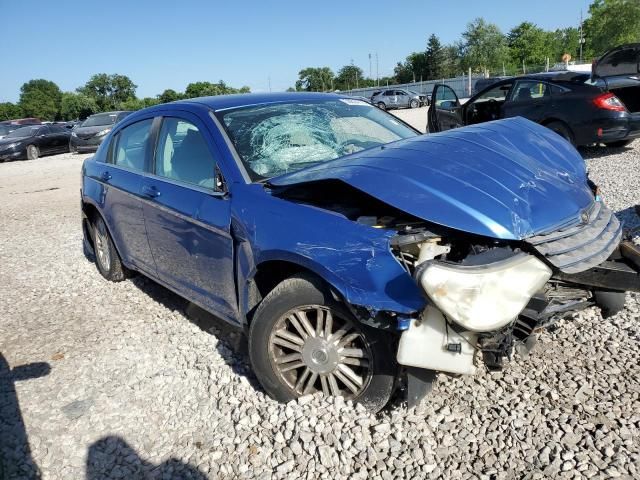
(315, 349)
(102, 246)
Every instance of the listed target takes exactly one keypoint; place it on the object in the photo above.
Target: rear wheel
(302, 341)
(33, 152)
(619, 143)
(382, 106)
(107, 258)
(414, 104)
(562, 130)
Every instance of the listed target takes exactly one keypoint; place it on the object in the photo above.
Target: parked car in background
(87, 136)
(352, 248)
(482, 83)
(398, 98)
(24, 121)
(32, 141)
(6, 128)
(602, 107)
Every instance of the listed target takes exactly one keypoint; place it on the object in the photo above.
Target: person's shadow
(112, 457)
(15, 452)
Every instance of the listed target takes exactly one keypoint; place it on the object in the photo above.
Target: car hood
(508, 179)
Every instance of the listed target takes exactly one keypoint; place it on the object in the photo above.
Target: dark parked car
(398, 98)
(350, 247)
(87, 136)
(7, 128)
(33, 141)
(603, 107)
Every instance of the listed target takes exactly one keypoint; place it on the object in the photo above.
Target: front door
(188, 219)
(445, 110)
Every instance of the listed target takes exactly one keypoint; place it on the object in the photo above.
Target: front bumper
(12, 154)
(90, 144)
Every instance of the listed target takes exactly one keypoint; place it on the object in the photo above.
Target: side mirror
(219, 184)
(449, 105)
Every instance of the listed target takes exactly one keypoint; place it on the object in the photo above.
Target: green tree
(77, 106)
(484, 47)
(451, 61)
(561, 41)
(349, 77)
(40, 98)
(611, 23)
(109, 91)
(434, 59)
(133, 103)
(9, 111)
(315, 79)
(528, 44)
(169, 95)
(206, 89)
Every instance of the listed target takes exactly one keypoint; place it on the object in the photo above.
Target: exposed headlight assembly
(482, 298)
(74, 134)
(103, 132)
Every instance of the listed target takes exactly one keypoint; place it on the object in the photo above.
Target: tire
(106, 256)
(294, 353)
(562, 130)
(619, 143)
(382, 106)
(72, 149)
(414, 104)
(33, 152)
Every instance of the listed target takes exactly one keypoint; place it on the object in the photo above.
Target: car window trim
(150, 173)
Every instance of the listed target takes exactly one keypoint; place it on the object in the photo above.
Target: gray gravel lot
(128, 381)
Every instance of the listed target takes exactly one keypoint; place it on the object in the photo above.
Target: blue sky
(161, 44)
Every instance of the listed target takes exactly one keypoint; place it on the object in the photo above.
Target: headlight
(103, 132)
(482, 298)
(8, 146)
(74, 134)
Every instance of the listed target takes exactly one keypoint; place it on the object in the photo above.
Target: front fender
(354, 259)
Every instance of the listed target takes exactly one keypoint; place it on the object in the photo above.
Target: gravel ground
(103, 380)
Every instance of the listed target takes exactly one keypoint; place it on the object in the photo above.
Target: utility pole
(370, 74)
(377, 71)
(581, 39)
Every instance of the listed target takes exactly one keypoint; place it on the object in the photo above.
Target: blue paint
(506, 180)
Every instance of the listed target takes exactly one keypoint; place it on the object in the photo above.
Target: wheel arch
(91, 211)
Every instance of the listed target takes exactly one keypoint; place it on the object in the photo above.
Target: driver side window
(498, 94)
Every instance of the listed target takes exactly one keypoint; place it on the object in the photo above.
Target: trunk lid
(508, 179)
(621, 61)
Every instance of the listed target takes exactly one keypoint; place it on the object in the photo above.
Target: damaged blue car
(358, 254)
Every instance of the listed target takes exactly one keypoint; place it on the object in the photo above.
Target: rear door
(530, 99)
(188, 217)
(121, 176)
(402, 98)
(445, 111)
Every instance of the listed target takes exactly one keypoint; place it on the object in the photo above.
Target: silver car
(398, 98)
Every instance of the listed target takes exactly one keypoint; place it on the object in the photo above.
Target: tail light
(608, 101)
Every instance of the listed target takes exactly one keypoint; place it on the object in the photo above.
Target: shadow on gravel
(232, 342)
(112, 457)
(15, 452)
(630, 218)
(600, 151)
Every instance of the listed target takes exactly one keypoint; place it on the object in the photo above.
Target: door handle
(106, 176)
(150, 191)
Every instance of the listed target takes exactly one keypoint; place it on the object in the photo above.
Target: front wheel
(33, 152)
(302, 341)
(414, 104)
(382, 106)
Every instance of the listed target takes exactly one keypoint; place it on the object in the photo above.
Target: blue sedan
(353, 250)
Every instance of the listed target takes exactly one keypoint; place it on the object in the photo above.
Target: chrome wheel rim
(314, 349)
(102, 249)
(32, 151)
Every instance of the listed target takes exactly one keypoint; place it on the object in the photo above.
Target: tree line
(103, 92)
(485, 49)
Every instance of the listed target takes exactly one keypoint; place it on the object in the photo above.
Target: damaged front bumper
(447, 337)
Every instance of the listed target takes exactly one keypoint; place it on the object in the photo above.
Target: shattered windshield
(275, 139)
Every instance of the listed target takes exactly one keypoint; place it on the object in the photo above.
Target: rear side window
(182, 154)
(530, 90)
(131, 144)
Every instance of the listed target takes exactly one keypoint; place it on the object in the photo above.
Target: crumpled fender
(354, 259)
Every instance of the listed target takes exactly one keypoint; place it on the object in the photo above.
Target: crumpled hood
(508, 179)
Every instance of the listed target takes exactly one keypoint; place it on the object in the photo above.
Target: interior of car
(487, 106)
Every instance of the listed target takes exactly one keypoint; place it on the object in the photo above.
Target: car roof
(224, 102)
(109, 113)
